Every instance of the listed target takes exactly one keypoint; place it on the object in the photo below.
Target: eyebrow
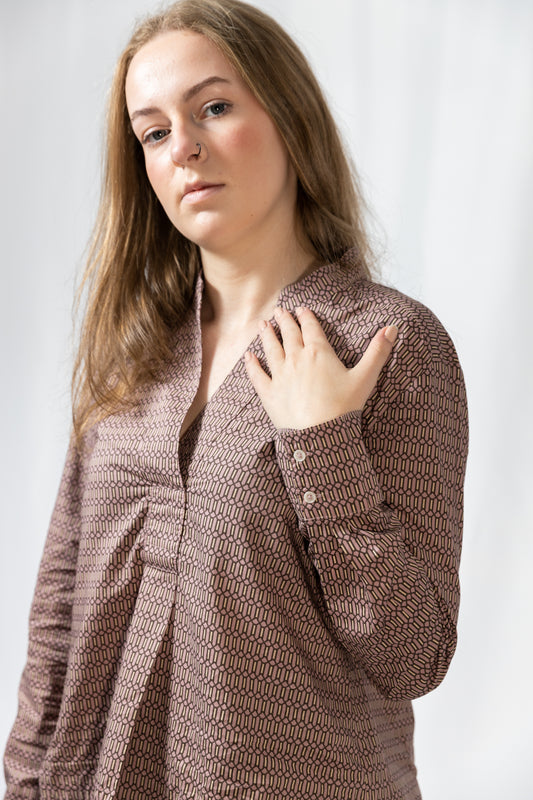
(188, 95)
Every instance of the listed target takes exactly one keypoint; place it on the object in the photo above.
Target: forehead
(175, 60)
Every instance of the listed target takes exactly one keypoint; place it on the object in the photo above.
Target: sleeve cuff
(327, 470)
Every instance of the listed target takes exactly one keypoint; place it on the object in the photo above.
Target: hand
(309, 384)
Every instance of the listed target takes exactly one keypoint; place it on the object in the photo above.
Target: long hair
(141, 271)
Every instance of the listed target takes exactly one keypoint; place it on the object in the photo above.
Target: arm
(385, 514)
(41, 686)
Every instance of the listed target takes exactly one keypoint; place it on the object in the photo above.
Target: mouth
(201, 190)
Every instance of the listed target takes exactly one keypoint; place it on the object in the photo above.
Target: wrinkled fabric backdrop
(435, 100)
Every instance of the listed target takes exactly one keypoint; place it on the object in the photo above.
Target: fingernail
(278, 311)
(263, 324)
(391, 333)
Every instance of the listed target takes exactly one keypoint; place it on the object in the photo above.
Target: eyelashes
(154, 137)
(212, 110)
(217, 109)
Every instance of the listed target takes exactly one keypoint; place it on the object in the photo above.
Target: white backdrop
(435, 98)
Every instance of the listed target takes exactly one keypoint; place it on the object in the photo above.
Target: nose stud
(199, 146)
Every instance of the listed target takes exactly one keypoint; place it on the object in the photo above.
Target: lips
(200, 190)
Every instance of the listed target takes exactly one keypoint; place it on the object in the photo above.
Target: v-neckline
(222, 387)
(298, 289)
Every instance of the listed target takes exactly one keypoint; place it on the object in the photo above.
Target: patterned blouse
(247, 612)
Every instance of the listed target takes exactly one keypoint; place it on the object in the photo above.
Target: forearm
(41, 686)
(393, 611)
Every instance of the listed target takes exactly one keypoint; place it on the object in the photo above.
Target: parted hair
(140, 270)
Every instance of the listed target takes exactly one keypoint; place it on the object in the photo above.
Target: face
(213, 155)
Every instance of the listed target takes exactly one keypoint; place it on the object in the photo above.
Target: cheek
(156, 176)
(244, 139)
(260, 154)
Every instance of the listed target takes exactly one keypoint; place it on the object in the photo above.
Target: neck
(243, 288)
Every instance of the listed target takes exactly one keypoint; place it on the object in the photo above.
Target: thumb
(366, 371)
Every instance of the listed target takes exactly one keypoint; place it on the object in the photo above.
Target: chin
(216, 241)
(210, 235)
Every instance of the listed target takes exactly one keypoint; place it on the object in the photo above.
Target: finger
(272, 346)
(257, 375)
(368, 369)
(312, 332)
(289, 329)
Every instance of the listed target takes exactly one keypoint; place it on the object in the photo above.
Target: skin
(235, 197)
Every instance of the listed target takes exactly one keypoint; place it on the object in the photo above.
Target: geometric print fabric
(245, 612)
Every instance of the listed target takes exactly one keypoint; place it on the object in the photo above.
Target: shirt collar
(329, 280)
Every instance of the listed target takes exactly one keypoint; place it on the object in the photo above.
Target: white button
(309, 497)
(299, 455)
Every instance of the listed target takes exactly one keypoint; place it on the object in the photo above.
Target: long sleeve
(378, 495)
(42, 681)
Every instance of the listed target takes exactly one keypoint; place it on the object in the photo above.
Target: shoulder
(357, 308)
(423, 364)
(423, 373)
(352, 309)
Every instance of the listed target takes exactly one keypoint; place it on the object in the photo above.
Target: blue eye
(155, 136)
(217, 109)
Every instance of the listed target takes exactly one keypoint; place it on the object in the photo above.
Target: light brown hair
(141, 271)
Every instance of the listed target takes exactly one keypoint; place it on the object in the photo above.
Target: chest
(221, 351)
(190, 502)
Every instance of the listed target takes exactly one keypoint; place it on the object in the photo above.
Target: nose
(186, 148)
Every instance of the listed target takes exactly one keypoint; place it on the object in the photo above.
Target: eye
(153, 137)
(216, 109)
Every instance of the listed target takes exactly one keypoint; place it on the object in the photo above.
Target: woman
(252, 564)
